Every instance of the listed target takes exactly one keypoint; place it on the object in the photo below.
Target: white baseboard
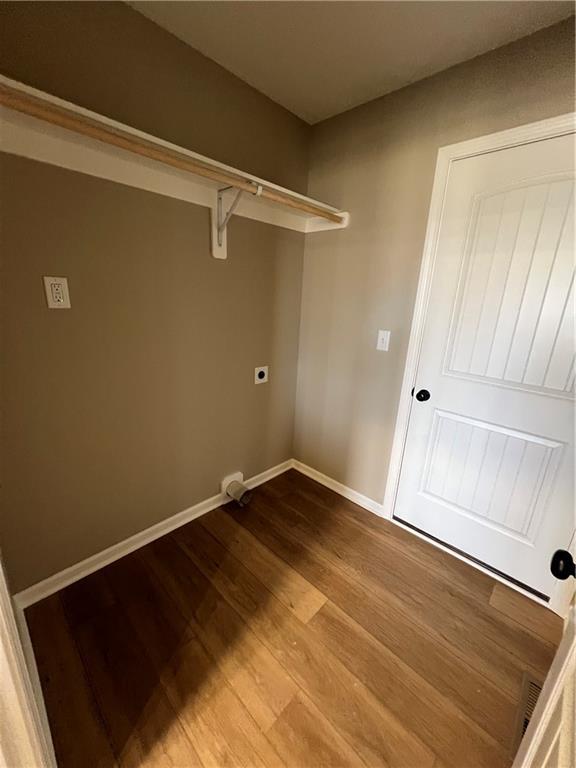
(78, 571)
(340, 488)
(268, 474)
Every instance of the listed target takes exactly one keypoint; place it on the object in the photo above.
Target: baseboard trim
(58, 581)
(64, 578)
(269, 474)
(340, 488)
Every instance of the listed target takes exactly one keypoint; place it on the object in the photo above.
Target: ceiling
(318, 59)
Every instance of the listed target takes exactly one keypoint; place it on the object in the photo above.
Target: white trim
(32, 668)
(36, 139)
(524, 134)
(340, 488)
(78, 571)
(25, 738)
(58, 581)
(64, 578)
(52, 584)
(268, 474)
(552, 689)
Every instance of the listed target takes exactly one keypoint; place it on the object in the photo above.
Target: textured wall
(132, 405)
(109, 58)
(377, 161)
(135, 403)
(110, 422)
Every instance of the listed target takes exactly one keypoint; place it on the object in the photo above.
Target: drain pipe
(233, 487)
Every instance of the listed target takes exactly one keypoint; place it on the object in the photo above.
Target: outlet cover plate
(383, 342)
(57, 294)
(261, 374)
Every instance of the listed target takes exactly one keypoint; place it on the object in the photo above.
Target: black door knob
(422, 395)
(562, 565)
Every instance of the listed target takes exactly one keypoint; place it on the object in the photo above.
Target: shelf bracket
(220, 221)
(219, 218)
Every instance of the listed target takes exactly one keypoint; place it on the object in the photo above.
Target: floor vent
(530, 691)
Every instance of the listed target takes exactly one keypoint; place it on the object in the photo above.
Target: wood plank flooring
(300, 631)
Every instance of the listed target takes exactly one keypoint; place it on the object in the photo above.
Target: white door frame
(540, 736)
(25, 739)
(524, 134)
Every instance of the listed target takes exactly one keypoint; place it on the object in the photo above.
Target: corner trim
(342, 490)
(64, 578)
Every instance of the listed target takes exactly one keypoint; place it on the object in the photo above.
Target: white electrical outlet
(261, 374)
(57, 295)
(383, 343)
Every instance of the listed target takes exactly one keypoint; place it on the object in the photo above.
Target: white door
(489, 457)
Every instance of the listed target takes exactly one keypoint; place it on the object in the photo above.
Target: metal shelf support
(220, 219)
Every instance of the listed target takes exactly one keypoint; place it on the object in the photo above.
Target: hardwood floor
(300, 631)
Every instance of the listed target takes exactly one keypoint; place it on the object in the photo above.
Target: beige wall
(377, 161)
(133, 405)
(109, 58)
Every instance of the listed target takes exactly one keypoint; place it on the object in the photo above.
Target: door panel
(497, 476)
(488, 460)
(516, 295)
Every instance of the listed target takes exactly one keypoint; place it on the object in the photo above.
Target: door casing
(28, 742)
(543, 733)
(524, 134)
